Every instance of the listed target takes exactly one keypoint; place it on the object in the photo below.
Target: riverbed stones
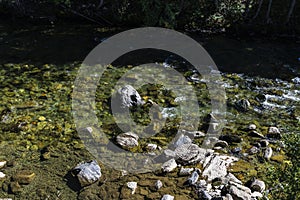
(169, 166)
(132, 185)
(24, 176)
(190, 154)
(215, 166)
(243, 105)
(239, 194)
(253, 150)
(2, 164)
(274, 132)
(151, 147)
(2, 175)
(158, 184)
(230, 138)
(256, 134)
(185, 171)
(182, 139)
(194, 134)
(258, 185)
(167, 197)
(128, 140)
(252, 127)
(193, 178)
(268, 153)
(87, 173)
(129, 97)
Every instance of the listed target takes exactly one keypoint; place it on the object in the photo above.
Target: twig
(291, 9)
(258, 9)
(268, 12)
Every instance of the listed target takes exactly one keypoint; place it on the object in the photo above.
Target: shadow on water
(61, 44)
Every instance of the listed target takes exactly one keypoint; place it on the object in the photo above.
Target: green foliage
(284, 180)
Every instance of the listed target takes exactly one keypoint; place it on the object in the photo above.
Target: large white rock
(215, 166)
(128, 140)
(87, 172)
(190, 154)
(129, 97)
(167, 197)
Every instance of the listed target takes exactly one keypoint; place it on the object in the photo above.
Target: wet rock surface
(87, 173)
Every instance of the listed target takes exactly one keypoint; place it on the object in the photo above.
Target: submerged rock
(24, 176)
(239, 194)
(252, 127)
(128, 140)
(2, 175)
(129, 97)
(256, 134)
(253, 150)
(87, 172)
(2, 164)
(231, 138)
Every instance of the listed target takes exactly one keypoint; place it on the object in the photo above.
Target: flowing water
(38, 67)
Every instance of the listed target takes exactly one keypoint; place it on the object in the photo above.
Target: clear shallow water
(36, 105)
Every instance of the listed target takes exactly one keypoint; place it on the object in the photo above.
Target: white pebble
(2, 175)
(167, 197)
(2, 164)
(132, 186)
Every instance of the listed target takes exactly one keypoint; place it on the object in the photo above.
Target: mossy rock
(278, 158)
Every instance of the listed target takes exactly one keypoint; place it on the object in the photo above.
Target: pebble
(132, 186)
(221, 143)
(167, 197)
(87, 172)
(24, 176)
(204, 195)
(169, 166)
(236, 150)
(2, 175)
(253, 150)
(231, 138)
(15, 187)
(151, 147)
(273, 130)
(256, 134)
(243, 105)
(258, 185)
(268, 153)
(158, 184)
(2, 164)
(193, 178)
(252, 127)
(185, 171)
(128, 140)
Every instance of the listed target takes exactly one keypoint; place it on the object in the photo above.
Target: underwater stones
(243, 105)
(167, 197)
(15, 187)
(203, 194)
(185, 171)
(268, 153)
(129, 97)
(132, 186)
(216, 166)
(169, 166)
(158, 184)
(258, 185)
(87, 172)
(24, 176)
(190, 154)
(253, 150)
(231, 138)
(236, 150)
(128, 140)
